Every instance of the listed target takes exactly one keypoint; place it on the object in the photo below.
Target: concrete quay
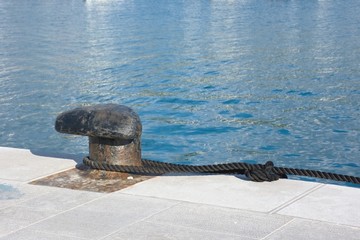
(170, 207)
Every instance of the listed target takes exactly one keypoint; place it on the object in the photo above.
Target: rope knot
(265, 172)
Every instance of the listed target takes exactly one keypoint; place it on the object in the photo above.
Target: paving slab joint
(296, 198)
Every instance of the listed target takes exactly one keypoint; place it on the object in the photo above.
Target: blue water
(213, 81)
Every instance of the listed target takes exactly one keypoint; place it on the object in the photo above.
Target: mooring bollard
(114, 132)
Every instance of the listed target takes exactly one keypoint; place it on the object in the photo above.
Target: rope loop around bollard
(255, 172)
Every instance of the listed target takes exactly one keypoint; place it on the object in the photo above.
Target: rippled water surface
(213, 81)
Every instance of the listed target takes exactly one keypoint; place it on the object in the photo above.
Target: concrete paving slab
(22, 165)
(59, 200)
(223, 190)
(103, 216)
(221, 220)
(300, 229)
(13, 192)
(34, 203)
(329, 203)
(25, 234)
(162, 231)
(26, 215)
(10, 225)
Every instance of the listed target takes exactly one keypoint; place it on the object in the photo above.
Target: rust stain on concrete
(84, 178)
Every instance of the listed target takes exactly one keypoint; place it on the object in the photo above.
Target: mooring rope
(255, 172)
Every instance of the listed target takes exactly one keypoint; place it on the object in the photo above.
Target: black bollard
(114, 132)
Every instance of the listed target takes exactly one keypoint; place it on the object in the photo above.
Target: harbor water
(212, 80)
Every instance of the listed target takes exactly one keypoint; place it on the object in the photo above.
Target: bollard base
(115, 151)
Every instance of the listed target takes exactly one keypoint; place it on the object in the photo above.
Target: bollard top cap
(103, 120)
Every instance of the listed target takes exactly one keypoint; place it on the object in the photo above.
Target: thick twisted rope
(255, 172)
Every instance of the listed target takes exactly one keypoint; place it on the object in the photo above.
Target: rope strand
(255, 172)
